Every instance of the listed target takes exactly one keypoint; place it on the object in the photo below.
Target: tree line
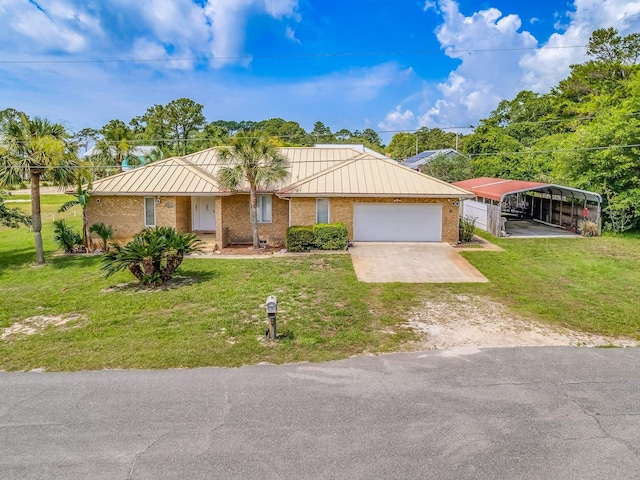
(584, 132)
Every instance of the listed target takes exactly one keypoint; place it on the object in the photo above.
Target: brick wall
(303, 212)
(183, 214)
(126, 213)
(235, 217)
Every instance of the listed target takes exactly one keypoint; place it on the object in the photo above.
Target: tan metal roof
(314, 171)
(368, 176)
(173, 176)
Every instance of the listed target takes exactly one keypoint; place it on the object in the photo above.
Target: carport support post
(560, 223)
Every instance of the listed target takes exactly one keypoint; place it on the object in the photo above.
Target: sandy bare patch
(32, 325)
(476, 321)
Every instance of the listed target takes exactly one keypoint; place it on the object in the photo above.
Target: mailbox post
(272, 312)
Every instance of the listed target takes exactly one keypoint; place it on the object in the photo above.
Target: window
(322, 210)
(264, 208)
(149, 212)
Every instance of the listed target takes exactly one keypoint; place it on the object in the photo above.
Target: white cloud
(228, 24)
(487, 72)
(397, 119)
(291, 35)
(544, 68)
(182, 28)
(51, 26)
(428, 5)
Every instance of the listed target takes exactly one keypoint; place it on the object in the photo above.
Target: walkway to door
(424, 262)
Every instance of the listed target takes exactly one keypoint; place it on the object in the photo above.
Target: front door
(204, 214)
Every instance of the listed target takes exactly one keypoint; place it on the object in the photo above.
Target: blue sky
(448, 62)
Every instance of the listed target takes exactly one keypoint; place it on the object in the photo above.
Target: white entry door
(204, 214)
(397, 222)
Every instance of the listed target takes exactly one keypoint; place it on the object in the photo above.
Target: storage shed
(498, 200)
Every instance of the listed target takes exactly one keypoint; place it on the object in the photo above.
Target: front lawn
(214, 315)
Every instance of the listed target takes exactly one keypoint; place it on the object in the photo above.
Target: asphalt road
(541, 412)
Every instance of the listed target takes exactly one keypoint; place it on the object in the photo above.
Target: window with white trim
(264, 208)
(149, 212)
(322, 210)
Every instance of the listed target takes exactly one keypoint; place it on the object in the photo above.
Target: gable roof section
(174, 176)
(368, 176)
(428, 155)
(303, 161)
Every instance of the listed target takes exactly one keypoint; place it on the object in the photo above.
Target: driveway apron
(382, 262)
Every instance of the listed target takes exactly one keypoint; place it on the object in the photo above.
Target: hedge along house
(378, 199)
(498, 203)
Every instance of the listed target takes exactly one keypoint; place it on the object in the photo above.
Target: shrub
(331, 236)
(65, 237)
(588, 228)
(153, 255)
(467, 227)
(300, 239)
(105, 232)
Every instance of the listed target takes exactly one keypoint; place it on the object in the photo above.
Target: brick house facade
(342, 178)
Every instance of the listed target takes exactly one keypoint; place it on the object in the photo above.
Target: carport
(503, 204)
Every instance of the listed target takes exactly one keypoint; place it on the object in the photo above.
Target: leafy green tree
(31, 149)
(184, 117)
(449, 168)
(86, 137)
(291, 133)
(171, 126)
(12, 217)
(252, 158)
(321, 133)
(402, 146)
(153, 255)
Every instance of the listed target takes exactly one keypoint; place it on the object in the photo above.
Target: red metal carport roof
(496, 188)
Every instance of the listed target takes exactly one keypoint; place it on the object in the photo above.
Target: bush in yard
(300, 239)
(588, 228)
(331, 236)
(153, 255)
(105, 232)
(467, 227)
(65, 237)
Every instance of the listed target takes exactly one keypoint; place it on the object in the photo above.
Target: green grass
(589, 284)
(216, 318)
(216, 315)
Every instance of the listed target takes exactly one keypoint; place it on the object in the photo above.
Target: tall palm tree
(32, 149)
(252, 159)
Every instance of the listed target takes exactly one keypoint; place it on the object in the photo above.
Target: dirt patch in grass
(477, 321)
(33, 325)
(135, 287)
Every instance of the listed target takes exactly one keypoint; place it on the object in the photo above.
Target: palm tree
(32, 149)
(82, 198)
(115, 146)
(253, 159)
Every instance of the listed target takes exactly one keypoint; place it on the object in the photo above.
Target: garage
(397, 222)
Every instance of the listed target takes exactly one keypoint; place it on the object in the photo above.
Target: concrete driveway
(382, 262)
(531, 229)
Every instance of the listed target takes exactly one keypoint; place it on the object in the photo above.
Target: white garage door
(397, 222)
